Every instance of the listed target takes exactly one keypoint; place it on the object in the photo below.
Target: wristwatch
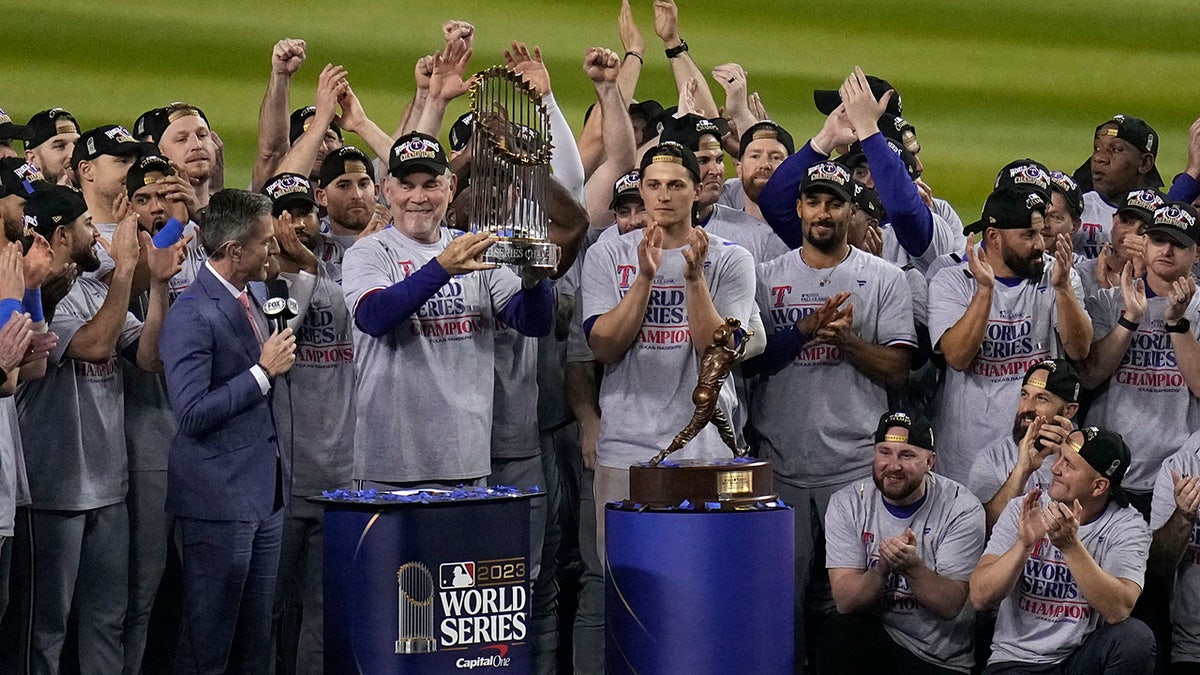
(1180, 326)
(676, 51)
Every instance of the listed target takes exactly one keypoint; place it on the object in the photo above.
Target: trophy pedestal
(733, 483)
(523, 253)
(698, 591)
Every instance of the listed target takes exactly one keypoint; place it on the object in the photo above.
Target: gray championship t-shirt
(1045, 617)
(323, 384)
(646, 396)
(816, 417)
(1147, 381)
(1095, 228)
(73, 419)
(1185, 589)
(949, 527)
(14, 487)
(422, 414)
(977, 405)
(945, 239)
(746, 231)
(993, 465)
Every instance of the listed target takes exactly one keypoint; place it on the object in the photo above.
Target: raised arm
(330, 86)
(620, 147)
(666, 25)
(286, 58)
(445, 85)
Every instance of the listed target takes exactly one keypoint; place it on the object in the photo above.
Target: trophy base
(732, 484)
(523, 253)
(416, 646)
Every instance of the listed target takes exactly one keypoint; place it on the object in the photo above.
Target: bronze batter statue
(715, 364)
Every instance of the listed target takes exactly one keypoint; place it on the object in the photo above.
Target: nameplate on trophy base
(523, 253)
(707, 484)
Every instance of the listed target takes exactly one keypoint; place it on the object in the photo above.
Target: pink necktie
(244, 301)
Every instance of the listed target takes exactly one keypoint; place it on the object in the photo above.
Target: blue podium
(427, 582)
(699, 591)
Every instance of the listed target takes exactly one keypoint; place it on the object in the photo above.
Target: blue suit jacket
(221, 464)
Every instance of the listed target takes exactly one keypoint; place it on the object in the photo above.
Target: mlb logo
(457, 575)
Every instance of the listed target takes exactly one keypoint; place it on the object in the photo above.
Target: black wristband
(1127, 324)
(1181, 326)
(636, 56)
(676, 51)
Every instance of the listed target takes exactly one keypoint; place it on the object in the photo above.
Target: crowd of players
(1047, 346)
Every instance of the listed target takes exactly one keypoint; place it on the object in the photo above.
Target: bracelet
(812, 143)
(1131, 326)
(676, 51)
(636, 56)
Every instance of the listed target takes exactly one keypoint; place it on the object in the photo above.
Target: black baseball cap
(298, 123)
(1107, 453)
(830, 176)
(49, 123)
(1176, 221)
(856, 156)
(1056, 376)
(289, 191)
(900, 130)
(52, 206)
(917, 430)
(1029, 172)
(687, 130)
(147, 120)
(828, 100)
(768, 130)
(1069, 189)
(1137, 133)
(10, 130)
(140, 174)
(627, 188)
(335, 162)
(1009, 208)
(670, 151)
(17, 177)
(868, 200)
(460, 131)
(415, 152)
(110, 139)
(155, 122)
(1142, 204)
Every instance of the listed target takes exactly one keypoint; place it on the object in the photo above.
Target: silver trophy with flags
(510, 167)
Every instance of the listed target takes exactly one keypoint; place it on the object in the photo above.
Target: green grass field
(984, 83)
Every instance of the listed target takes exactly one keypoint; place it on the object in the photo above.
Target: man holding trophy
(424, 308)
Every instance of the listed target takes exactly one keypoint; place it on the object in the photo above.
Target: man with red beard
(900, 552)
(1014, 464)
(763, 147)
(1012, 310)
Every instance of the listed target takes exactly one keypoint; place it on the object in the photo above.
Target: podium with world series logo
(427, 583)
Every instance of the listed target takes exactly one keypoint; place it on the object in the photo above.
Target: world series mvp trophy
(739, 482)
(510, 166)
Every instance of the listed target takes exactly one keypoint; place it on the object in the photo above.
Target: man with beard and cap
(9, 132)
(839, 321)
(900, 549)
(1146, 351)
(762, 148)
(52, 147)
(1011, 310)
(158, 194)
(347, 190)
(18, 180)
(72, 427)
(322, 394)
(183, 136)
(703, 138)
(1016, 463)
(1064, 569)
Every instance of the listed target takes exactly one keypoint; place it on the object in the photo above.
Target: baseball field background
(984, 82)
